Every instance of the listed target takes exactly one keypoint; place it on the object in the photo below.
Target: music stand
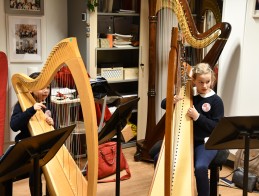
(113, 127)
(29, 155)
(240, 132)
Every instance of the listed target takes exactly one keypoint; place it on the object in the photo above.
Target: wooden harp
(218, 35)
(62, 175)
(174, 169)
(177, 149)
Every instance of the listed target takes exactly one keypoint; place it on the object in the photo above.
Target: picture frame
(20, 7)
(256, 8)
(24, 39)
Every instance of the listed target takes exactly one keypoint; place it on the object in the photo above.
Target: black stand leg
(118, 150)
(6, 188)
(36, 177)
(246, 164)
(214, 177)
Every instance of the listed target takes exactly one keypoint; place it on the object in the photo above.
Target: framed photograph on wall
(256, 8)
(24, 39)
(24, 7)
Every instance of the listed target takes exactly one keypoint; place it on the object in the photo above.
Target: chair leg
(214, 180)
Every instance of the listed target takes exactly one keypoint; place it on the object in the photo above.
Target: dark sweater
(19, 121)
(209, 117)
(207, 120)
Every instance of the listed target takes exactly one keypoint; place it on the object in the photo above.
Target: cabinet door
(76, 26)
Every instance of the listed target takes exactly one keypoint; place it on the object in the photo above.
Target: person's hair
(203, 68)
(34, 75)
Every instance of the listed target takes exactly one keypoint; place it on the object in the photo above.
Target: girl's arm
(20, 119)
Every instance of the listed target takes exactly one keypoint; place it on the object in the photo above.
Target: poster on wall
(26, 7)
(24, 38)
(256, 9)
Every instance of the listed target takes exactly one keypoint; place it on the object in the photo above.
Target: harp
(174, 169)
(63, 177)
(217, 35)
(176, 152)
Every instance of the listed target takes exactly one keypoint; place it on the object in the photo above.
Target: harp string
(165, 23)
(65, 103)
(187, 25)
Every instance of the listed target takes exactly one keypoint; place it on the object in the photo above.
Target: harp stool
(215, 166)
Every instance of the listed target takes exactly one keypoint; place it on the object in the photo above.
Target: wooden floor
(139, 183)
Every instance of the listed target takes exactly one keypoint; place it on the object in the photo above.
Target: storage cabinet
(95, 27)
(119, 64)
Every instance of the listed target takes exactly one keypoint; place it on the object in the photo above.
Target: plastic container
(110, 36)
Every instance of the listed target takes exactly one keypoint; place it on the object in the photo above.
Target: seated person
(206, 112)
(19, 119)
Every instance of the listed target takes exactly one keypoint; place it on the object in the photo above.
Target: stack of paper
(122, 40)
(126, 11)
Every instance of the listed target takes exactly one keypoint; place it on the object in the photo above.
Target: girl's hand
(192, 113)
(49, 120)
(39, 106)
(177, 98)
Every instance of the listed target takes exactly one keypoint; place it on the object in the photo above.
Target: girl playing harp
(206, 112)
(19, 119)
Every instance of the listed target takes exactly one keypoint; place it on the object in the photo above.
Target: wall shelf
(114, 48)
(117, 14)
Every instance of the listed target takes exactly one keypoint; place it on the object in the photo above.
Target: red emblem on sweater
(206, 107)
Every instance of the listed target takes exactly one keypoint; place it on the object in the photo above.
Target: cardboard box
(123, 100)
(130, 73)
(103, 43)
(127, 133)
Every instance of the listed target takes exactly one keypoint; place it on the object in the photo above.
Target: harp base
(142, 153)
(144, 146)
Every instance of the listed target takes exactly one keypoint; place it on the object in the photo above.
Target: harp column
(142, 151)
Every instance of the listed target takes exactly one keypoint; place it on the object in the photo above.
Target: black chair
(215, 167)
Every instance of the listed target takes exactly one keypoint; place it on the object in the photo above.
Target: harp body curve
(219, 33)
(62, 175)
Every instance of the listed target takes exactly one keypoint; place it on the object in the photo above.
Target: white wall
(238, 72)
(54, 29)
